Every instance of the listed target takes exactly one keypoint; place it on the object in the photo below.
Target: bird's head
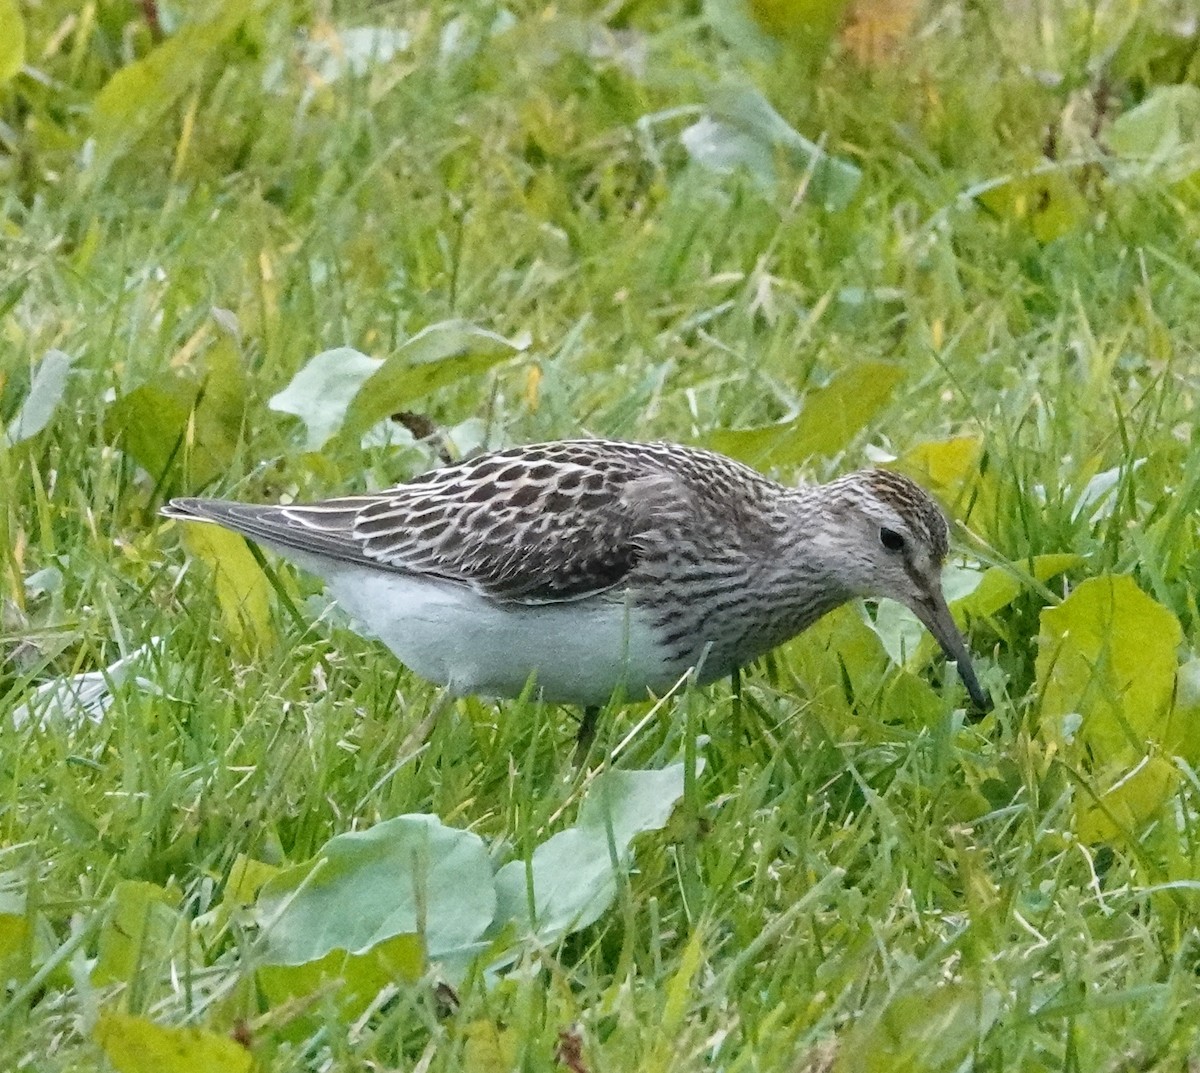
(890, 539)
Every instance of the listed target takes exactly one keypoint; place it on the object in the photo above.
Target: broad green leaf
(133, 99)
(831, 417)
(150, 422)
(12, 40)
(1130, 799)
(1047, 201)
(1162, 134)
(802, 21)
(952, 470)
(1181, 738)
(357, 978)
(742, 132)
(437, 356)
(1108, 653)
(944, 467)
(998, 587)
(837, 652)
(572, 872)
(243, 591)
(14, 943)
(406, 876)
(320, 394)
(489, 1047)
(758, 28)
(138, 1045)
(919, 1026)
(220, 410)
(734, 23)
(192, 423)
(45, 393)
(141, 928)
(246, 878)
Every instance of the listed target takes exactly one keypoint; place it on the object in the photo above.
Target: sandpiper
(594, 565)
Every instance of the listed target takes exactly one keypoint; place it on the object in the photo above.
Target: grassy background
(855, 887)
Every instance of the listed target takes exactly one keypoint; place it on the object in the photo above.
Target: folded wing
(527, 526)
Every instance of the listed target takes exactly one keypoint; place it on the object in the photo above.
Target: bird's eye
(891, 540)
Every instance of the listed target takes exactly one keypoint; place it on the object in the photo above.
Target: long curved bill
(935, 614)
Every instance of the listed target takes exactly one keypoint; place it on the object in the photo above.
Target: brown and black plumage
(594, 564)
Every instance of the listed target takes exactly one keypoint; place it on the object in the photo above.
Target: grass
(859, 879)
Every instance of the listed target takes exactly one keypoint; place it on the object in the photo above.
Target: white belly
(579, 652)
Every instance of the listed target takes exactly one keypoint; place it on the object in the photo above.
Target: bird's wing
(557, 522)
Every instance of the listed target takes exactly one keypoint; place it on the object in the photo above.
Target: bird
(597, 565)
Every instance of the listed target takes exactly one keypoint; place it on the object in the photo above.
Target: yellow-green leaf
(998, 587)
(356, 979)
(832, 416)
(140, 928)
(243, 591)
(1047, 202)
(944, 467)
(806, 24)
(1107, 656)
(14, 944)
(138, 1045)
(919, 1027)
(12, 40)
(839, 652)
(437, 356)
(139, 93)
(192, 423)
(1131, 798)
(246, 878)
(489, 1048)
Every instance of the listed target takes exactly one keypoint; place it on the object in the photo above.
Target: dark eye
(891, 540)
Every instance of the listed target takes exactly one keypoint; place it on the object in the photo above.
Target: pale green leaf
(437, 356)
(320, 394)
(46, 392)
(573, 873)
(1161, 135)
(742, 132)
(403, 876)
